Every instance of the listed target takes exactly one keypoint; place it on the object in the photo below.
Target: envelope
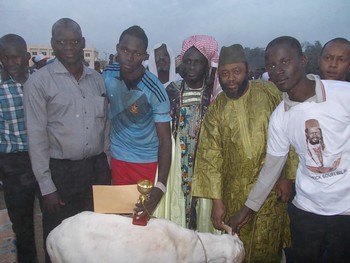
(115, 199)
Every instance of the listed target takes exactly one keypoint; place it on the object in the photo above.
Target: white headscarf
(153, 67)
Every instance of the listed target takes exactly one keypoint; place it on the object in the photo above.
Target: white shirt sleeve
(268, 177)
(277, 153)
(278, 143)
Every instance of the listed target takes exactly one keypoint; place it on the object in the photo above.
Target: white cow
(101, 238)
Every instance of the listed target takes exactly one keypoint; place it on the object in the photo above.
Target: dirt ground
(38, 227)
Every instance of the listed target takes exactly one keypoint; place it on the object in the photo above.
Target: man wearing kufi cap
(231, 153)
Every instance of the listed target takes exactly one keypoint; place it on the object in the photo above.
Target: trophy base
(140, 220)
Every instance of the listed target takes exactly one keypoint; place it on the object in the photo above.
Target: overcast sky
(252, 23)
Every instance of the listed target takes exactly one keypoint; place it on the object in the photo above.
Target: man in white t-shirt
(320, 220)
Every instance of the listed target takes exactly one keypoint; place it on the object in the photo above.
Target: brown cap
(312, 123)
(232, 54)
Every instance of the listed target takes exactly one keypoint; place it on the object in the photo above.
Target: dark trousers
(20, 188)
(317, 238)
(74, 180)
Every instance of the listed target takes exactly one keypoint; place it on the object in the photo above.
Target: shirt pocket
(97, 104)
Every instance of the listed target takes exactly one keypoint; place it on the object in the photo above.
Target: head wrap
(152, 62)
(232, 54)
(207, 45)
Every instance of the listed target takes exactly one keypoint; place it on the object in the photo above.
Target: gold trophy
(144, 187)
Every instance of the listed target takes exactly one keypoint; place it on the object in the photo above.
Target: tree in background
(312, 51)
(256, 57)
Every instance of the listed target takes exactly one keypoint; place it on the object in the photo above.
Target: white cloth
(172, 204)
(153, 67)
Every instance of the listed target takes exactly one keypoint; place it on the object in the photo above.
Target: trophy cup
(144, 187)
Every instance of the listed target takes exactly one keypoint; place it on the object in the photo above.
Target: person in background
(334, 60)
(162, 64)
(19, 183)
(231, 153)
(66, 115)
(317, 225)
(97, 66)
(40, 61)
(140, 122)
(111, 59)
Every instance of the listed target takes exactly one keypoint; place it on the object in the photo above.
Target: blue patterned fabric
(13, 137)
(134, 111)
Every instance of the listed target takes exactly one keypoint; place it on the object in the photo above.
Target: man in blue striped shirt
(18, 179)
(139, 117)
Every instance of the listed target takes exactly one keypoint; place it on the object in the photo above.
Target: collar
(59, 68)
(319, 97)
(131, 84)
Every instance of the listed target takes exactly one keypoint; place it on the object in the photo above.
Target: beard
(235, 94)
(314, 141)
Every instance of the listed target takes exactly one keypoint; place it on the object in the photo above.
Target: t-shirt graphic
(317, 161)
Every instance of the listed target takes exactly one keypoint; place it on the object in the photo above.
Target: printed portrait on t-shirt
(317, 161)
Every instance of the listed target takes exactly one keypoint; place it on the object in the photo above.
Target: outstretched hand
(240, 219)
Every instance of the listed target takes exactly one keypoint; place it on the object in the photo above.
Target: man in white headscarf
(161, 63)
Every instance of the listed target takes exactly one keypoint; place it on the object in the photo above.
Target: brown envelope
(115, 199)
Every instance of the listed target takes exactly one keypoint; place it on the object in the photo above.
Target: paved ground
(38, 227)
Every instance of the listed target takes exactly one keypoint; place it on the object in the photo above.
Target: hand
(52, 202)
(239, 219)
(150, 204)
(218, 212)
(284, 190)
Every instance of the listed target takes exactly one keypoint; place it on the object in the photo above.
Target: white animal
(102, 238)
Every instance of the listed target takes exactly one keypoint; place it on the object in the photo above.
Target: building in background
(90, 54)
